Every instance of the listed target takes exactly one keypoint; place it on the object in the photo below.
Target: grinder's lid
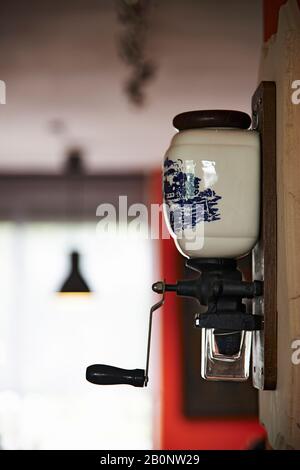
(212, 118)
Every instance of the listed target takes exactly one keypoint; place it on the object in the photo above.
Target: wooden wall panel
(280, 409)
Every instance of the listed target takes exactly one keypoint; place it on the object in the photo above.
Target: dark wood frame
(65, 196)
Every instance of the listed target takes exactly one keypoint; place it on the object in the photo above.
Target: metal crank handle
(101, 374)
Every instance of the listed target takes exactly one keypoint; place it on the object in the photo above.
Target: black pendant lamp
(75, 282)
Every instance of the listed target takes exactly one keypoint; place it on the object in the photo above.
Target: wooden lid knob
(212, 118)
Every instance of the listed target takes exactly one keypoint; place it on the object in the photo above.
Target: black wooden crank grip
(101, 374)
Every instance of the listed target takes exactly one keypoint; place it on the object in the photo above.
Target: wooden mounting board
(264, 353)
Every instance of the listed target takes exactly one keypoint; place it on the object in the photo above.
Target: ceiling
(65, 79)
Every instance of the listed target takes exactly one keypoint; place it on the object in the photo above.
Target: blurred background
(92, 87)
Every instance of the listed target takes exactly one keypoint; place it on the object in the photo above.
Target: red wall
(271, 11)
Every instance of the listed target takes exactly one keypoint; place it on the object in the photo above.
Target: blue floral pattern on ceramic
(188, 205)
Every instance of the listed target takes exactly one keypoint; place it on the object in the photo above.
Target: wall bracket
(264, 255)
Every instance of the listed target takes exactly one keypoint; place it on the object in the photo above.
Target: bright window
(46, 342)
